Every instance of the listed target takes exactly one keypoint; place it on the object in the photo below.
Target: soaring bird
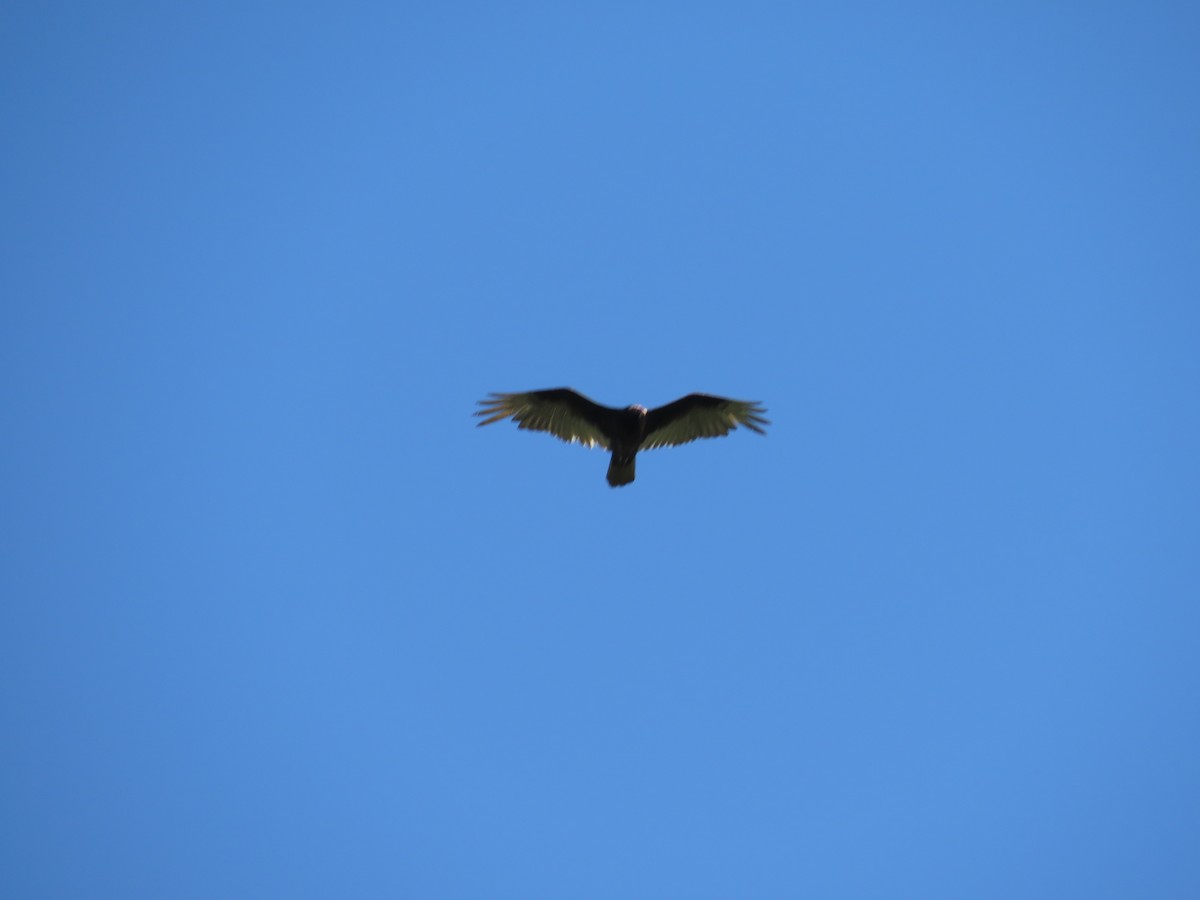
(572, 417)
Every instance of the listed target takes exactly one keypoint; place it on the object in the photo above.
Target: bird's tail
(620, 470)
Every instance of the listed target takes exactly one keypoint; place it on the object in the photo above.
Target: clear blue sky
(278, 621)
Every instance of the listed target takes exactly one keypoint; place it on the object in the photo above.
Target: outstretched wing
(562, 412)
(700, 416)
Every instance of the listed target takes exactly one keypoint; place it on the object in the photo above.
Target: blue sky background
(277, 620)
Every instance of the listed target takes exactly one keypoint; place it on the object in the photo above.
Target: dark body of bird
(572, 417)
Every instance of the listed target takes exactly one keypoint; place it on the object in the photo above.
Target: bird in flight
(572, 417)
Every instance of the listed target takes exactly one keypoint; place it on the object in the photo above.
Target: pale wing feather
(701, 416)
(564, 413)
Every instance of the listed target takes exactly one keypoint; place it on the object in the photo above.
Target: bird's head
(636, 408)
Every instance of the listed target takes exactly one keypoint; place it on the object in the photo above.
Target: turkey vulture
(571, 417)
